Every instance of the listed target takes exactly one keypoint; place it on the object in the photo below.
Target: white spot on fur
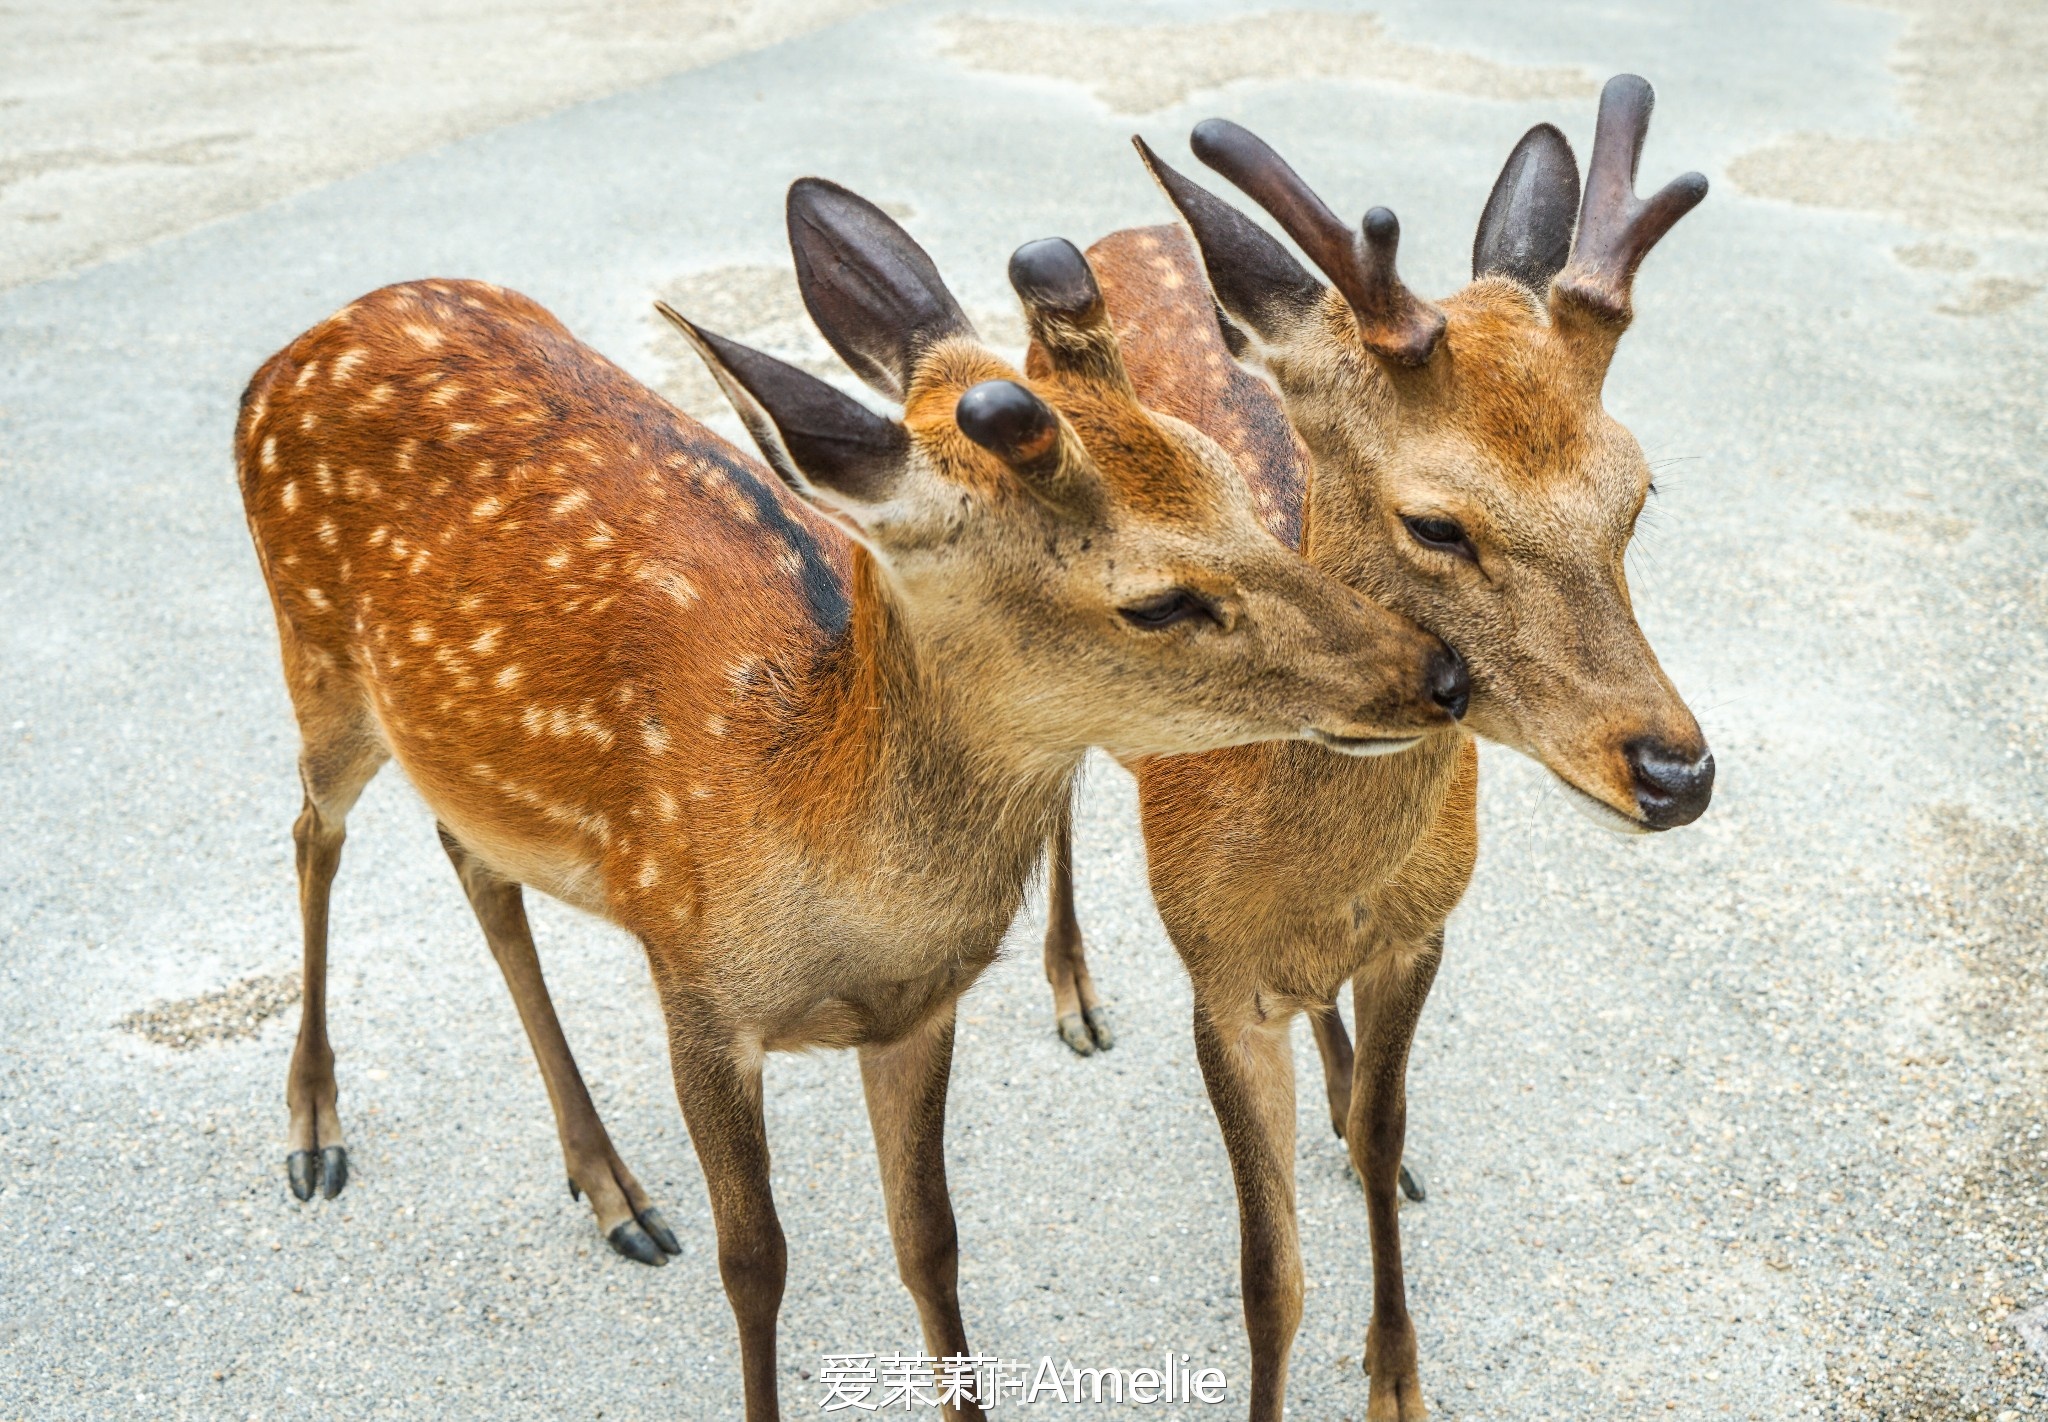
(345, 364)
(508, 676)
(572, 501)
(422, 334)
(486, 640)
(650, 873)
(422, 633)
(268, 458)
(486, 508)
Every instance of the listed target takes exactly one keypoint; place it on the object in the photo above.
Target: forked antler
(1616, 228)
(1394, 323)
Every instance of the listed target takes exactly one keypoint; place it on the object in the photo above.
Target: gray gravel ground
(1746, 1121)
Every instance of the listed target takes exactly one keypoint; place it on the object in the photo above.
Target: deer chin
(1360, 745)
(1600, 812)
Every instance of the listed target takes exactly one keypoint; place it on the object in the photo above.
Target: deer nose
(1672, 788)
(1449, 686)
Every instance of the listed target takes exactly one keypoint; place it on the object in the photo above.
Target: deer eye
(1165, 610)
(1445, 535)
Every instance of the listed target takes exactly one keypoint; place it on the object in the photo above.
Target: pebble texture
(1747, 1121)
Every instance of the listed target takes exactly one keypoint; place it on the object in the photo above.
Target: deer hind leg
(1078, 1013)
(1249, 1071)
(1333, 1044)
(1387, 1002)
(340, 752)
(905, 1083)
(625, 1215)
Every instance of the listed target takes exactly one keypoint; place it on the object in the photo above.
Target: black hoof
(1074, 1032)
(304, 1169)
(630, 1240)
(575, 1190)
(1411, 1184)
(333, 1171)
(1097, 1019)
(658, 1230)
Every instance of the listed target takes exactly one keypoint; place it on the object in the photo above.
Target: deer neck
(906, 762)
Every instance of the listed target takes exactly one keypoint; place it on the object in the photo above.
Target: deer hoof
(304, 1169)
(333, 1171)
(629, 1239)
(1097, 1019)
(1075, 1034)
(658, 1230)
(1411, 1184)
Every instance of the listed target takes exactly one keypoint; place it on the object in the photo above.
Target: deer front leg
(1333, 1045)
(1249, 1071)
(1387, 999)
(625, 1215)
(1082, 1020)
(905, 1084)
(718, 1082)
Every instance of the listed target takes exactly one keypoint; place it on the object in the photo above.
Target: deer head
(1050, 537)
(1464, 470)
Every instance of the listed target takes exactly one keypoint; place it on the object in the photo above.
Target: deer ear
(1257, 283)
(873, 292)
(1526, 231)
(825, 445)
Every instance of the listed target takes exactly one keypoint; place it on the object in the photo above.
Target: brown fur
(806, 756)
(1281, 871)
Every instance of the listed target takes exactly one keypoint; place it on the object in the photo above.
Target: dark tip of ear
(1051, 274)
(876, 296)
(1009, 421)
(1255, 279)
(1525, 232)
(828, 438)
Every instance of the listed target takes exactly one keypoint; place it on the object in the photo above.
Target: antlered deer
(802, 734)
(1455, 463)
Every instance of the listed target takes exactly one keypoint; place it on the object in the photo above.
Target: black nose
(1449, 687)
(1672, 787)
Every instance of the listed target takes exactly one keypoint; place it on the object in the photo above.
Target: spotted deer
(801, 733)
(1453, 461)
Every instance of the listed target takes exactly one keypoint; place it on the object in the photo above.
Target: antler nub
(1394, 323)
(1616, 228)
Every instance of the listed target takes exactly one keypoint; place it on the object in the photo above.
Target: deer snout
(1450, 686)
(1672, 786)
